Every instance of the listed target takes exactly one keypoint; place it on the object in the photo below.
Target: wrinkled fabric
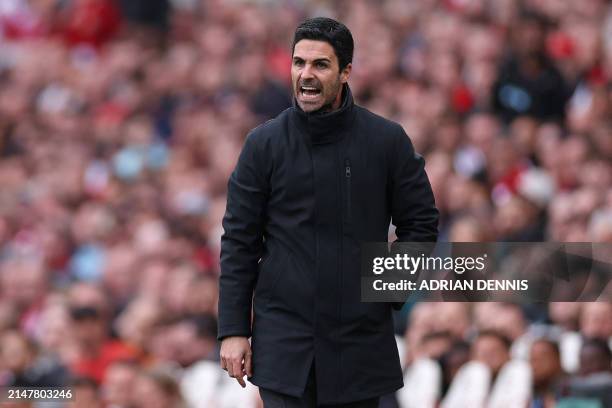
(307, 190)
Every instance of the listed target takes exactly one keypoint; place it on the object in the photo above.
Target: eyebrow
(316, 60)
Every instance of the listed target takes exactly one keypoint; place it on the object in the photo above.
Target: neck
(543, 386)
(338, 101)
(327, 127)
(330, 107)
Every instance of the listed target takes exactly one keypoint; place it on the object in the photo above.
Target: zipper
(347, 177)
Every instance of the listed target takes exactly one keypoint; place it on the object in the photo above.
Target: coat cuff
(233, 330)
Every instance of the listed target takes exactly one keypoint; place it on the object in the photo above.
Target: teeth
(307, 88)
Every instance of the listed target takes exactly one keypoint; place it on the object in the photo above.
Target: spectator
(22, 366)
(94, 350)
(595, 357)
(492, 349)
(452, 361)
(434, 345)
(596, 320)
(547, 374)
(149, 13)
(528, 83)
(594, 382)
(86, 393)
(119, 381)
(90, 22)
(156, 389)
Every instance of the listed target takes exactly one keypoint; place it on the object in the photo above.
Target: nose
(307, 72)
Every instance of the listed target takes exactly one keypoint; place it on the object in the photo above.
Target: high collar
(326, 127)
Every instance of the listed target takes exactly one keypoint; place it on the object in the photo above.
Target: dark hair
(553, 345)
(330, 31)
(205, 325)
(502, 338)
(82, 313)
(599, 344)
(165, 381)
(83, 381)
(437, 335)
(528, 16)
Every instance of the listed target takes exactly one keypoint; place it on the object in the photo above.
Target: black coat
(307, 190)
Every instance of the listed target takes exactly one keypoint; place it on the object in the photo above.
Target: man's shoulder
(269, 128)
(381, 127)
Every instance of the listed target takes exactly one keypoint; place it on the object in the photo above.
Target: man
(547, 373)
(594, 379)
(492, 348)
(310, 186)
(595, 357)
(528, 83)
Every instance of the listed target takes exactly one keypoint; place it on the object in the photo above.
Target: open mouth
(310, 91)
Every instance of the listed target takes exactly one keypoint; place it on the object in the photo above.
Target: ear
(346, 73)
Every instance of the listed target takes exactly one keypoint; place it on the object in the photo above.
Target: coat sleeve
(241, 242)
(413, 209)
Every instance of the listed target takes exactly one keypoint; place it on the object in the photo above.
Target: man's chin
(309, 107)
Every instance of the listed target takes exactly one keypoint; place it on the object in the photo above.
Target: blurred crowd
(121, 121)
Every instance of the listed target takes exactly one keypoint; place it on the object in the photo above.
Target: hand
(236, 358)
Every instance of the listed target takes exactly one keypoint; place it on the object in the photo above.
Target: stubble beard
(328, 104)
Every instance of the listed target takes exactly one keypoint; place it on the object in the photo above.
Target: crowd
(121, 121)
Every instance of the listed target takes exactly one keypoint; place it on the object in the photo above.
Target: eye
(321, 65)
(298, 62)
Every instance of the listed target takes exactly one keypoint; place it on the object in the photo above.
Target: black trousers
(273, 399)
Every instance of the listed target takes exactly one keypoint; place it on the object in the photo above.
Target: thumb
(248, 365)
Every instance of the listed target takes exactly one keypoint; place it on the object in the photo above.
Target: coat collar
(326, 127)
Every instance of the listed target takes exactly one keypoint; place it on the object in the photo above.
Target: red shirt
(110, 352)
(93, 23)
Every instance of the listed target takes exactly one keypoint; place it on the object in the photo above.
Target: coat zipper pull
(347, 168)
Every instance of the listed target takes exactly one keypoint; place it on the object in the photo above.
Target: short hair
(437, 335)
(599, 344)
(552, 344)
(328, 30)
(165, 380)
(500, 337)
(534, 17)
(83, 381)
(204, 324)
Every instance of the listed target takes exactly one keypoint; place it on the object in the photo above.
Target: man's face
(545, 362)
(316, 76)
(593, 360)
(490, 351)
(596, 320)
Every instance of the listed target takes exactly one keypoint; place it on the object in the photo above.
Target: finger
(229, 367)
(248, 365)
(241, 381)
(237, 371)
